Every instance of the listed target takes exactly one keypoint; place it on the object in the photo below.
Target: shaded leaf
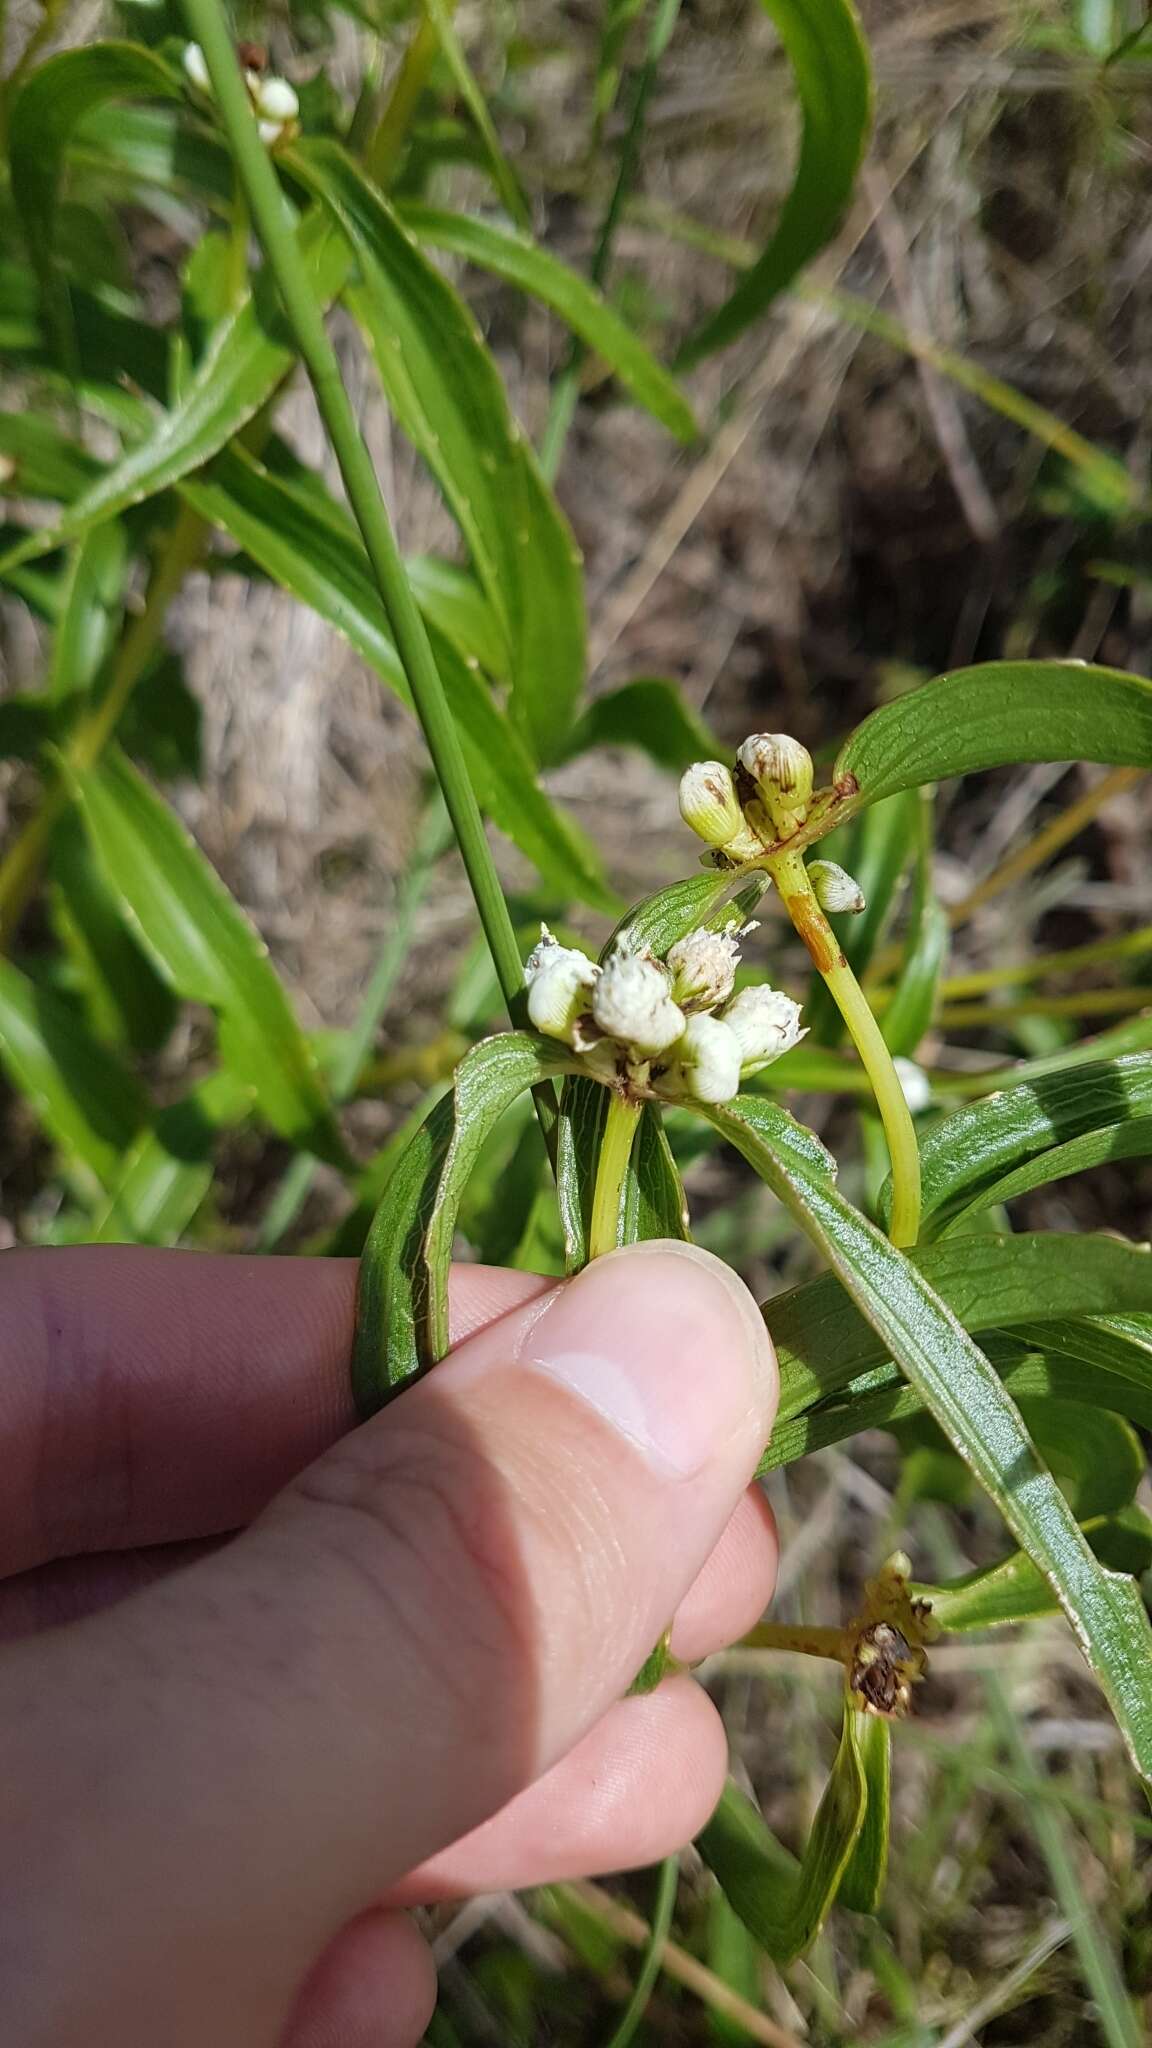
(862, 1885)
(44, 115)
(248, 356)
(825, 1339)
(127, 1000)
(166, 1174)
(88, 1103)
(205, 948)
(1014, 1589)
(1010, 1140)
(521, 261)
(829, 59)
(649, 714)
(782, 1903)
(451, 49)
(402, 1306)
(93, 604)
(45, 462)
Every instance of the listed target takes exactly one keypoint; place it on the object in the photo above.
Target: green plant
(1029, 1352)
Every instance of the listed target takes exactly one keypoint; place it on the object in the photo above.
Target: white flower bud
(631, 1003)
(766, 1023)
(709, 803)
(560, 983)
(276, 100)
(703, 969)
(708, 1060)
(195, 69)
(269, 132)
(834, 888)
(914, 1082)
(782, 771)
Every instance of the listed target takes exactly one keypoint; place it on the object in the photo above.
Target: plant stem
(21, 865)
(611, 1168)
(567, 387)
(273, 225)
(666, 1890)
(791, 878)
(804, 1642)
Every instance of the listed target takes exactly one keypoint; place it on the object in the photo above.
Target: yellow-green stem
(791, 878)
(615, 1152)
(835, 1643)
(21, 865)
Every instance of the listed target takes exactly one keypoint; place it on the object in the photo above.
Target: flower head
(631, 1003)
(782, 772)
(708, 1060)
(703, 969)
(834, 888)
(766, 1022)
(560, 982)
(709, 803)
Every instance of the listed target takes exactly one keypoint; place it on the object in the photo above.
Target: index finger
(147, 1396)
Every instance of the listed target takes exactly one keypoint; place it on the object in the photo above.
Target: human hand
(403, 1681)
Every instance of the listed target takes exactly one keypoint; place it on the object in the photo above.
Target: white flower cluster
(273, 99)
(674, 1025)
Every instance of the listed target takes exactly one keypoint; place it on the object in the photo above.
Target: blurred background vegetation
(869, 503)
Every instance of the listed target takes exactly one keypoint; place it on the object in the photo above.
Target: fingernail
(668, 1346)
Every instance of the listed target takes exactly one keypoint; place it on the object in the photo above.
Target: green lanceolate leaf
(166, 1174)
(825, 1340)
(829, 58)
(402, 1307)
(1116, 1141)
(45, 114)
(651, 715)
(94, 589)
(446, 394)
(88, 1103)
(961, 1390)
(862, 1885)
(1014, 1589)
(654, 1204)
(970, 1157)
(1005, 711)
(453, 602)
(488, 1080)
(1068, 1371)
(307, 544)
(711, 900)
(247, 358)
(392, 1297)
(503, 176)
(127, 999)
(205, 948)
(44, 461)
(520, 261)
(1096, 1456)
(579, 1132)
(782, 1902)
(908, 1015)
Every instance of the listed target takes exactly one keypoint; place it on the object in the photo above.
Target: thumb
(422, 1623)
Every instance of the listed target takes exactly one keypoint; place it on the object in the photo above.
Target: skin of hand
(268, 1678)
